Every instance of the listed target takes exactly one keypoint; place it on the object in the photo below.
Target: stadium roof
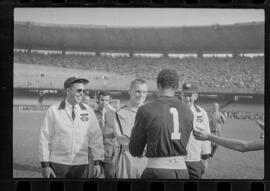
(244, 37)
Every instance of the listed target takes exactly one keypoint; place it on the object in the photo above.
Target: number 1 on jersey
(176, 134)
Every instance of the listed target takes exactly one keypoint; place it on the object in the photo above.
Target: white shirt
(65, 141)
(196, 148)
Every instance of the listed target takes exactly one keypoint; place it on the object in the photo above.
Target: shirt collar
(132, 109)
(195, 108)
(98, 110)
(68, 105)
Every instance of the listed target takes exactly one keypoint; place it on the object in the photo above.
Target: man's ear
(67, 91)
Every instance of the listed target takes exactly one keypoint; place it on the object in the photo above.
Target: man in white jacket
(198, 152)
(68, 130)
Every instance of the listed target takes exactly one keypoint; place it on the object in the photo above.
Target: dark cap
(73, 80)
(189, 88)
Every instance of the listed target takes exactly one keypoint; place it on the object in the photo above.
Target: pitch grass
(226, 164)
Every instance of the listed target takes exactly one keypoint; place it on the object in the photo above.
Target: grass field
(227, 164)
(55, 76)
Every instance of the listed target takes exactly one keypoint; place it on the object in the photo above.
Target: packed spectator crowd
(243, 115)
(209, 73)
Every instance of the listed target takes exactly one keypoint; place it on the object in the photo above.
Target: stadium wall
(30, 100)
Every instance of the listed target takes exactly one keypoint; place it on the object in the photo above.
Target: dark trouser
(214, 149)
(214, 146)
(194, 169)
(69, 171)
(158, 173)
(109, 169)
(111, 153)
(90, 164)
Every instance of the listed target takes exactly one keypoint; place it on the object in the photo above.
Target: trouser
(214, 149)
(194, 169)
(69, 171)
(128, 166)
(90, 173)
(214, 146)
(218, 131)
(158, 173)
(109, 169)
(110, 154)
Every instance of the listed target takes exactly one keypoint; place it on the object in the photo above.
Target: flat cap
(189, 88)
(72, 80)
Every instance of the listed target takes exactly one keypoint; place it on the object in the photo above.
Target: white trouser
(176, 162)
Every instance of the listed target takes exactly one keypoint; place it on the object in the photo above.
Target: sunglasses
(81, 90)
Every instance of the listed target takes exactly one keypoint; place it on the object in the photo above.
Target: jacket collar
(63, 105)
(197, 108)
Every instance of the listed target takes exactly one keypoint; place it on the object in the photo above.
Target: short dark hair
(103, 93)
(168, 78)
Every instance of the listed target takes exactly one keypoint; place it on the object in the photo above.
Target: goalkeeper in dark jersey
(164, 126)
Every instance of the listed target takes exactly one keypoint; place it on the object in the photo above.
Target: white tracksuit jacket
(65, 141)
(196, 148)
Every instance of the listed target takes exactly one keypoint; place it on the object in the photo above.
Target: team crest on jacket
(199, 119)
(84, 117)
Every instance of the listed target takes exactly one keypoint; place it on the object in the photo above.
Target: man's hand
(204, 165)
(47, 172)
(123, 140)
(200, 134)
(97, 171)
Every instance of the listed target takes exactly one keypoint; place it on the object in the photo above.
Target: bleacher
(220, 74)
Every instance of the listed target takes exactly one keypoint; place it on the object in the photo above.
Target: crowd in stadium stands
(226, 73)
(244, 115)
(30, 107)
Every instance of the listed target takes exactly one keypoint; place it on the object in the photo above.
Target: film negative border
(7, 183)
(144, 3)
(133, 186)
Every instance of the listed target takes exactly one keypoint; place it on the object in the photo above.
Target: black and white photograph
(138, 93)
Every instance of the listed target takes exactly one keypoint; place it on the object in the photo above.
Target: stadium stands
(241, 37)
(245, 115)
(221, 74)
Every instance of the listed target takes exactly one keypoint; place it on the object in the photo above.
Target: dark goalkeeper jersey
(164, 126)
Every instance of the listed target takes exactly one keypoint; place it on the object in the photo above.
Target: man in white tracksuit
(198, 152)
(69, 129)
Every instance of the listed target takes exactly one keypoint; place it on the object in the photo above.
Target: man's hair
(168, 78)
(137, 81)
(216, 105)
(103, 93)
